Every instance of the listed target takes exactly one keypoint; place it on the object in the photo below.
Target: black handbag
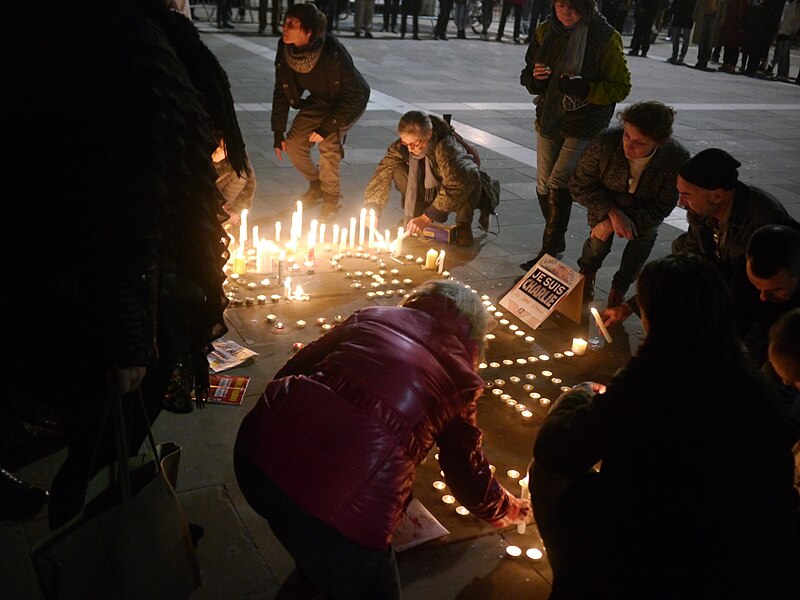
(132, 539)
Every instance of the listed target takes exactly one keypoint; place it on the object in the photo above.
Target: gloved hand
(573, 87)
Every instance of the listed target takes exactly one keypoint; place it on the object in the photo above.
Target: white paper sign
(542, 289)
(418, 525)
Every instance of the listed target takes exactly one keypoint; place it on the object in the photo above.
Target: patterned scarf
(302, 60)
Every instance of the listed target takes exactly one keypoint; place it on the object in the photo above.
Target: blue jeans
(634, 256)
(556, 158)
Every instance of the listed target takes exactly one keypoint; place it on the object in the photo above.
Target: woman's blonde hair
(467, 303)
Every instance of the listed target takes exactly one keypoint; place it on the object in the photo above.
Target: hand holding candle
(600, 324)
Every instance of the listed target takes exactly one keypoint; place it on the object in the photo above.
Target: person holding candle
(329, 452)
(437, 173)
(309, 59)
(626, 180)
(695, 467)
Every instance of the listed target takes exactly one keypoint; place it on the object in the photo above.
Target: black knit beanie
(711, 169)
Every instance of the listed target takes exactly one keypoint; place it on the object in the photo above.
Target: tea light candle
(514, 550)
(503, 321)
(530, 376)
(532, 359)
(544, 357)
(569, 353)
(489, 336)
(301, 324)
(275, 298)
(482, 365)
(261, 298)
(321, 321)
(526, 413)
(279, 327)
(448, 499)
(513, 327)
(498, 314)
(421, 260)
(338, 319)
(297, 346)
(556, 380)
(522, 361)
(535, 395)
(439, 485)
(530, 339)
(407, 282)
(514, 379)
(547, 373)
(494, 364)
(544, 401)
(558, 355)
(271, 319)
(579, 346)
(409, 257)
(508, 362)
(505, 396)
(327, 327)
(533, 553)
(497, 391)
(527, 387)
(463, 511)
(500, 381)
(519, 333)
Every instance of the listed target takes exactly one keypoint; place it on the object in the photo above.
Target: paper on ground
(417, 526)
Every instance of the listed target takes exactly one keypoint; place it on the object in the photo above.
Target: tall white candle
(321, 237)
(372, 224)
(299, 218)
(256, 239)
(524, 495)
(335, 234)
(287, 287)
(600, 325)
(243, 228)
(387, 240)
(361, 225)
(440, 262)
(352, 232)
(343, 241)
(312, 234)
(277, 232)
(398, 243)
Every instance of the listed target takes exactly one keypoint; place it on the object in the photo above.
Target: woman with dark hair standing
(310, 60)
(694, 496)
(575, 66)
(626, 180)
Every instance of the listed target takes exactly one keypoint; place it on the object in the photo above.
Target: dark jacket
(600, 181)
(604, 69)
(450, 162)
(346, 421)
(347, 86)
(752, 208)
(696, 466)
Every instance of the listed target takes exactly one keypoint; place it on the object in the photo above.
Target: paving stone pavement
(757, 121)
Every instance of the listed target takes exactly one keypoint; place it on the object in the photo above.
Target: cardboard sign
(549, 285)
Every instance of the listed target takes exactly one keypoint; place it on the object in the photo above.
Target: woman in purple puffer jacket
(329, 453)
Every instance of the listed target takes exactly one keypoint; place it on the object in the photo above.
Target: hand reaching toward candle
(623, 225)
(616, 314)
(417, 224)
(524, 514)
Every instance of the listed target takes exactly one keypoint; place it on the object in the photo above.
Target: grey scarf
(302, 60)
(415, 167)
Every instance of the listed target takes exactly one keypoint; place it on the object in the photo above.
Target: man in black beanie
(722, 211)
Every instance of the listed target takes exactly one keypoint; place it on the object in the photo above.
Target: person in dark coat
(731, 36)
(680, 28)
(328, 454)
(310, 60)
(626, 181)
(644, 14)
(695, 461)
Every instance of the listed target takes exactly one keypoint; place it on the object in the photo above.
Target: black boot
(464, 235)
(19, 500)
(559, 203)
(588, 284)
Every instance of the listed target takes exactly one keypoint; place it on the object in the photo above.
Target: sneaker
(312, 194)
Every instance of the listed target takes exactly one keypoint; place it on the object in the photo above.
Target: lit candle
(239, 264)
(281, 258)
(579, 346)
(343, 240)
(600, 325)
(321, 236)
(243, 229)
(440, 262)
(524, 495)
(352, 232)
(361, 224)
(299, 218)
(335, 234)
(255, 236)
(287, 288)
(312, 238)
(398, 243)
(430, 259)
(387, 239)
(277, 231)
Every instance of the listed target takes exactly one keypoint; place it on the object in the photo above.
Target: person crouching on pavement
(329, 453)
(310, 60)
(436, 172)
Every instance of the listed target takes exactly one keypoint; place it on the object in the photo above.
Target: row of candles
(362, 233)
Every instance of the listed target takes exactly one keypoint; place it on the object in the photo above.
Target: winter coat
(732, 33)
(790, 19)
(450, 163)
(600, 187)
(696, 465)
(681, 11)
(344, 424)
(604, 68)
(347, 86)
